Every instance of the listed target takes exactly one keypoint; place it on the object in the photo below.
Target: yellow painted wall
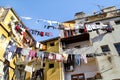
(7, 21)
(54, 48)
(52, 73)
(3, 43)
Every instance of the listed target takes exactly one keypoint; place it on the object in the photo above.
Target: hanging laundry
(25, 51)
(11, 48)
(39, 73)
(61, 26)
(37, 45)
(39, 54)
(51, 56)
(88, 27)
(108, 28)
(50, 33)
(47, 34)
(18, 51)
(49, 27)
(84, 58)
(17, 35)
(41, 33)
(17, 28)
(28, 69)
(59, 57)
(94, 27)
(32, 53)
(19, 72)
(45, 56)
(69, 65)
(9, 56)
(65, 56)
(77, 59)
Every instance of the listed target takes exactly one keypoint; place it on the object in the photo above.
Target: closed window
(105, 48)
(52, 44)
(117, 46)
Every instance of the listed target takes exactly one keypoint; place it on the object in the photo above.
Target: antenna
(100, 7)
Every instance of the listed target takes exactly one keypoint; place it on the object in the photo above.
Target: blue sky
(55, 10)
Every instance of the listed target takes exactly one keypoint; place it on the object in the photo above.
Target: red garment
(85, 30)
(41, 33)
(17, 28)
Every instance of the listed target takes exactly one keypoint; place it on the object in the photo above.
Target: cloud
(26, 18)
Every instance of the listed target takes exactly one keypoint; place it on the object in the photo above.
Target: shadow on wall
(98, 38)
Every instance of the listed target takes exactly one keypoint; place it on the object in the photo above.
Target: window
(97, 23)
(78, 77)
(2, 38)
(12, 18)
(117, 46)
(52, 44)
(51, 65)
(77, 46)
(43, 64)
(105, 48)
(117, 22)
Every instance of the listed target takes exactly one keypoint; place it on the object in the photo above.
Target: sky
(30, 11)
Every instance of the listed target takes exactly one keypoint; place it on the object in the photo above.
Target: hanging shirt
(37, 45)
(84, 58)
(51, 56)
(47, 34)
(39, 54)
(17, 28)
(93, 27)
(59, 57)
(25, 51)
(65, 56)
(32, 53)
(77, 59)
(89, 28)
(18, 51)
(12, 48)
(9, 56)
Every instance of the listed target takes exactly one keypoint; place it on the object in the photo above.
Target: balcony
(76, 38)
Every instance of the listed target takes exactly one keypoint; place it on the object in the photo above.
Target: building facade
(92, 45)
(12, 36)
(52, 68)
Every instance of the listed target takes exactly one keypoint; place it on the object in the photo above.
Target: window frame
(77, 76)
(117, 48)
(105, 50)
